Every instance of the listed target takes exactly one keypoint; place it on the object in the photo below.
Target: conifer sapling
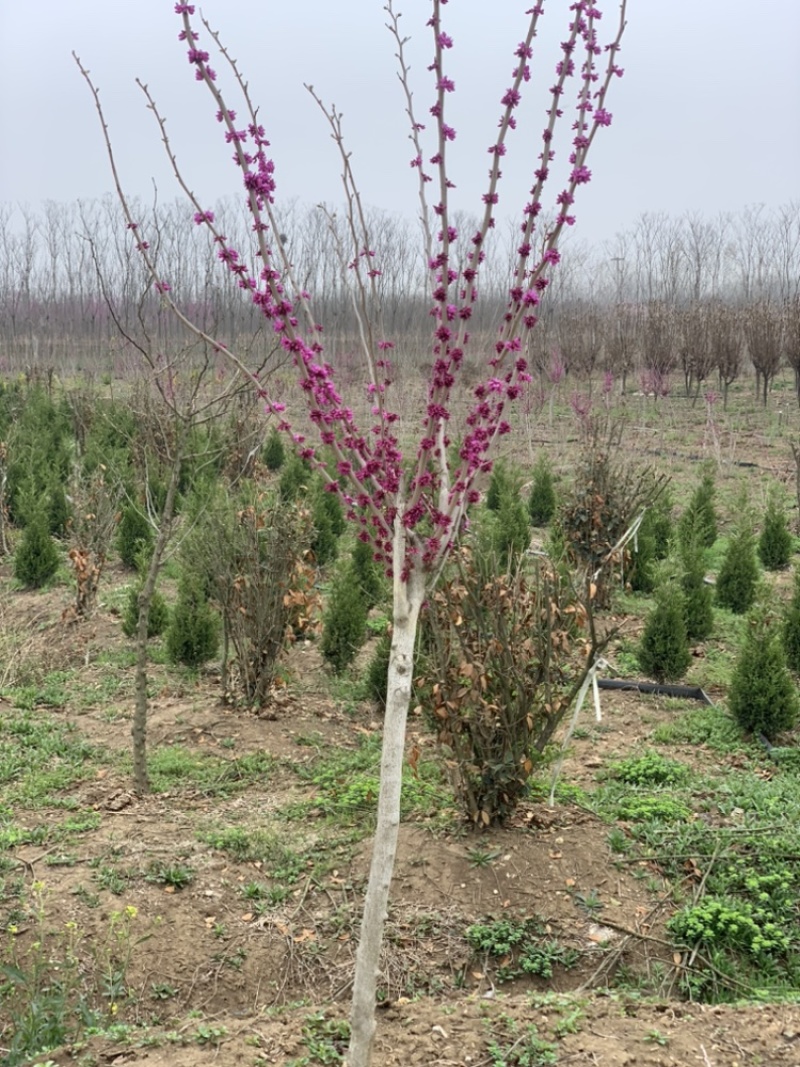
(790, 630)
(762, 696)
(664, 649)
(737, 581)
(542, 498)
(36, 558)
(775, 542)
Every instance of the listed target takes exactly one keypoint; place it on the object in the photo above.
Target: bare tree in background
(658, 346)
(693, 328)
(725, 327)
(791, 338)
(763, 329)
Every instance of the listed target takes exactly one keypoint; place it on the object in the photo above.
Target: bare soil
(239, 984)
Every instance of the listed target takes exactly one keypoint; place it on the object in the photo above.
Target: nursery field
(637, 906)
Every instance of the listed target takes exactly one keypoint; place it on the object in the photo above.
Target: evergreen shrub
(377, 674)
(762, 695)
(344, 625)
(274, 452)
(664, 648)
(737, 580)
(134, 536)
(193, 633)
(698, 601)
(700, 517)
(368, 573)
(157, 620)
(542, 497)
(790, 630)
(36, 558)
(295, 479)
(775, 542)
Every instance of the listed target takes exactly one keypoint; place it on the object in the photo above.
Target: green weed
(64, 983)
(174, 875)
(40, 756)
(651, 768)
(708, 726)
(523, 946)
(652, 808)
(346, 785)
(519, 1047)
(175, 767)
(326, 1040)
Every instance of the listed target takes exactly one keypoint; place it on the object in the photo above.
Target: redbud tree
(409, 507)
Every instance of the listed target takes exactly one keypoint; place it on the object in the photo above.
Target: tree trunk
(408, 598)
(141, 780)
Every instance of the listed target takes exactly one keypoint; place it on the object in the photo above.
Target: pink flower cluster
(369, 468)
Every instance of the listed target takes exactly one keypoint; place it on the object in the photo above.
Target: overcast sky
(706, 119)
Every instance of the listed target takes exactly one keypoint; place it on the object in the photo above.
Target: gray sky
(705, 119)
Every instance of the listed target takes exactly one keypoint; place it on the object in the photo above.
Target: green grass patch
(737, 838)
(711, 727)
(51, 692)
(174, 767)
(282, 860)
(40, 756)
(117, 657)
(638, 605)
(345, 785)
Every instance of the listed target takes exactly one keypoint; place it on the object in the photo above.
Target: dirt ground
(244, 996)
(214, 980)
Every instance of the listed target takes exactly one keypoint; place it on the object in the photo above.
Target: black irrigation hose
(687, 692)
(781, 756)
(767, 747)
(693, 457)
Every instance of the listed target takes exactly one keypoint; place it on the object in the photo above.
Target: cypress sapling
(36, 558)
(698, 606)
(775, 542)
(344, 625)
(738, 576)
(762, 696)
(542, 498)
(664, 649)
(700, 517)
(790, 631)
(157, 620)
(193, 633)
(367, 574)
(274, 453)
(134, 536)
